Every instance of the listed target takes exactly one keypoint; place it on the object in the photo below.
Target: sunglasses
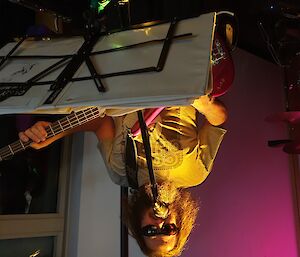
(167, 229)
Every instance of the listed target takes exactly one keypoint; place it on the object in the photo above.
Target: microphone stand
(160, 209)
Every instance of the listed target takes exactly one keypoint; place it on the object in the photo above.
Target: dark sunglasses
(167, 229)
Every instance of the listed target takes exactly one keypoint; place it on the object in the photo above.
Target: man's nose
(158, 221)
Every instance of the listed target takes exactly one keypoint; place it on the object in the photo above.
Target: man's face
(162, 243)
(162, 235)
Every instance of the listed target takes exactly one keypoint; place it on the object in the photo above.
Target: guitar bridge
(218, 53)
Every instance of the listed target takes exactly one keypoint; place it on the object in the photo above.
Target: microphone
(161, 210)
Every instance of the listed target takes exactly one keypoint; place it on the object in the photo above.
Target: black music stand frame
(74, 61)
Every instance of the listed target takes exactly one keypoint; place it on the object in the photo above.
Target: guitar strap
(131, 158)
(131, 166)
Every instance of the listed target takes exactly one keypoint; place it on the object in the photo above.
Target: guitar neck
(69, 122)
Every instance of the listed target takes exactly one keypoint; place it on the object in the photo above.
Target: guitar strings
(66, 122)
(80, 117)
(57, 127)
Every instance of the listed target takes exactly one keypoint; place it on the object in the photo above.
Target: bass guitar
(56, 130)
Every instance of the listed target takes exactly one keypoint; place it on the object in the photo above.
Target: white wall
(98, 230)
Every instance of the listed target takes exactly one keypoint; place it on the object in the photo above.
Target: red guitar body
(222, 67)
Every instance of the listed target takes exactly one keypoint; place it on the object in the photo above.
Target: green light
(115, 45)
(102, 4)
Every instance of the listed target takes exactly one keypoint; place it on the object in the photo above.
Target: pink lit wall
(246, 203)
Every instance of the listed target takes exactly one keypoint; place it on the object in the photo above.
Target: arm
(210, 139)
(214, 110)
(102, 127)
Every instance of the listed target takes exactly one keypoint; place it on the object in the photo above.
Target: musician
(183, 145)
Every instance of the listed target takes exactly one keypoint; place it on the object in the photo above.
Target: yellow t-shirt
(182, 149)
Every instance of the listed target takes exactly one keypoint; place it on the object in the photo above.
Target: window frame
(49, 224)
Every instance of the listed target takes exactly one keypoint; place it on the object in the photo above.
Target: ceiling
(275, 19)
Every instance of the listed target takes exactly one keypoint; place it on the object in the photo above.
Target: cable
(226, 12)
(270, 47)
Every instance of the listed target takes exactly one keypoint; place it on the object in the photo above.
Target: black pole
(124, 230)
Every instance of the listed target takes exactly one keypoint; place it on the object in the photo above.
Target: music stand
(31, 79)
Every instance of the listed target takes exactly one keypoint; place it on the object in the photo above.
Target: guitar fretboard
(69, 122)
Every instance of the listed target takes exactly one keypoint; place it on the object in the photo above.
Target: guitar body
(222, 67)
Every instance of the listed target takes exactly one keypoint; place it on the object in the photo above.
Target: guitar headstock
(227, 28)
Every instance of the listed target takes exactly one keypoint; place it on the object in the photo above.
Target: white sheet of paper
(183, 78)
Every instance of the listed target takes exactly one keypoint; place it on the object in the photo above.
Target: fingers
(37, 133)
(23, 137)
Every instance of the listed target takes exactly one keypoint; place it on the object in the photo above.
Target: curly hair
(185, 207)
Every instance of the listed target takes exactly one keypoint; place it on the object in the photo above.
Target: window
(33, 194)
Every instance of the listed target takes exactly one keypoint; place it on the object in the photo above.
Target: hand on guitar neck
(43, 133)
(37, 133)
